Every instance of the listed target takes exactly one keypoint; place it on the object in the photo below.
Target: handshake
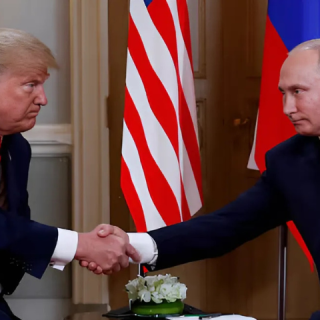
(106, 249)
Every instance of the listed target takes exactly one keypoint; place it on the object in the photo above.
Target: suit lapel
(8, 173)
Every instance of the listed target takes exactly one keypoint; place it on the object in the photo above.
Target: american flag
(160, 165)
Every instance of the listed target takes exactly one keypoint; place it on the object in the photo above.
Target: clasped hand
(106, 249)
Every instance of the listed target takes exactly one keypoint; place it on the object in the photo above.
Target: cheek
(14, 107)
(12, 111)
(309, 106)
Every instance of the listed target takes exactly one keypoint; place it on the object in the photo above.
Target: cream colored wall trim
(50, 140)
(89, 72)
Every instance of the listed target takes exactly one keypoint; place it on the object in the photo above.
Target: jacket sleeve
(26, 244)
(254, 212)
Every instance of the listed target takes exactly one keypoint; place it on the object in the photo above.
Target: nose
(289, 105)
(41, 97)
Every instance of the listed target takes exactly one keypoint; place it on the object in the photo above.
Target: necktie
(3, 195)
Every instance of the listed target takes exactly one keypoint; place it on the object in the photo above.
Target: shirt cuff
(65, 249)
(146, 247)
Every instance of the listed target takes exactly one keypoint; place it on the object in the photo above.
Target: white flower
(156, 288)
(144, 295)
(156, 297)
(177, 291)
(132, 291)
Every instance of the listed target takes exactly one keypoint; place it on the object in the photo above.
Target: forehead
(300, 67)
(25, 75)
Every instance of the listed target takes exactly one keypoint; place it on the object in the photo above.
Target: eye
(29, 87)
(297, 91)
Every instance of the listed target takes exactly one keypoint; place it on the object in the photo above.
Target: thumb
(104, 230)
(132, 253)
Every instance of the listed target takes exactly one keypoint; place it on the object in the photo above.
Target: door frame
(90, 135)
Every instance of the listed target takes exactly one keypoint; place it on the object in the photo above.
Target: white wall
(48, 20)
(50, 174)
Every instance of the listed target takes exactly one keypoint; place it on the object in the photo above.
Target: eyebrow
(294, 86)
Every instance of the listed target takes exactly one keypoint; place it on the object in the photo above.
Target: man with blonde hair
(25, 245)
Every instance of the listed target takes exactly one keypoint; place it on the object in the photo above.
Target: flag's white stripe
(190, 187)
(158, 142)
(131, 157)
(185, 70)
(252, 162)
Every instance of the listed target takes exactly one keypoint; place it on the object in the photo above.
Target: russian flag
(289, 23)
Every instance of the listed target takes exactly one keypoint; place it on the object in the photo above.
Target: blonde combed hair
(20, 50)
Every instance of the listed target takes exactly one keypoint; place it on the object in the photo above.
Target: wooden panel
(197, 17)
(244, 281)
(303, 292)
(118, 32)
(257, 13)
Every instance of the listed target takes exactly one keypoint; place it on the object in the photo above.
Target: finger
(92, 266)
(124, 262)
(107, 272)
(84, 263)
(116, 268)
(132, 253)
(98, 270)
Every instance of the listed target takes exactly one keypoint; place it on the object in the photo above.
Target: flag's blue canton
(147, 2)
(296, 21)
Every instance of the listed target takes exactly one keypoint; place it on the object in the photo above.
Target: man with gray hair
(289, 189)
(25, 245)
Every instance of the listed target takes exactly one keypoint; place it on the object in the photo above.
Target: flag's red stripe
(132, 198)
(161, 16)
(295, 232)
(273, 125)
(158, 98)
(185, 26)
(159, 189)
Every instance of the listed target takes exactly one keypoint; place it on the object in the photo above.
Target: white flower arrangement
(159, 288)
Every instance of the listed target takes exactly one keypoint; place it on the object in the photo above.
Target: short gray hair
(20, 50)
(313, 44)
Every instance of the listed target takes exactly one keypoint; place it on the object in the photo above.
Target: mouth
(298, 121)
(35, 111)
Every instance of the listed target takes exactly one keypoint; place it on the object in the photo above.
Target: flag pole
(282, 272)
(140, 269)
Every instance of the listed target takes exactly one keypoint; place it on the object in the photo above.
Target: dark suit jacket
(25, 245)
(289, 189)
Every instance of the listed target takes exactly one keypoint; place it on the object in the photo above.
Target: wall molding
(201, 72)
(49, 140)
(90, 152)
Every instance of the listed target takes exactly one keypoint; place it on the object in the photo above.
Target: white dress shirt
(67, 243)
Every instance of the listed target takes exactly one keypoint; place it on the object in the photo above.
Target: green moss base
(151, 308)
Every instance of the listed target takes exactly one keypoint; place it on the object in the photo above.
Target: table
(87, 316)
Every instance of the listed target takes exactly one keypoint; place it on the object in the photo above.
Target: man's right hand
(110, 253)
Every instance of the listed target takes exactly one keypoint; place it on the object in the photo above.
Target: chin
(305, 131)
(29, 125)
